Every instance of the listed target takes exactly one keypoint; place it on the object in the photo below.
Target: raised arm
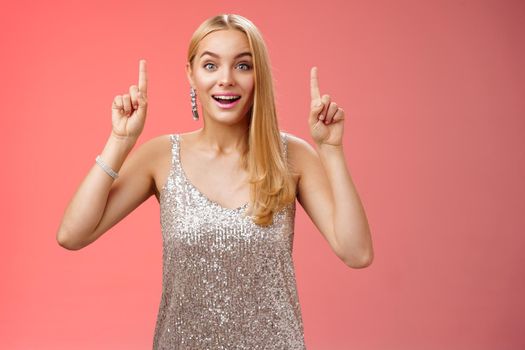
(101, 201)
(325, 189)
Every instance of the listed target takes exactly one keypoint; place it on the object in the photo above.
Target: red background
(434, 139)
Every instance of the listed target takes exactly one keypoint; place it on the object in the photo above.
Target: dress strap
(176, 155)
(176, 147)
(284, 139)
(174, 150)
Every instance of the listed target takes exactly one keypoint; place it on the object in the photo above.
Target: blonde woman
(227, 196)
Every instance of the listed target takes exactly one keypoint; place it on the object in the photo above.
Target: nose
(226, 78)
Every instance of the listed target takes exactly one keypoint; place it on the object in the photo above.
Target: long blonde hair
(271, 185)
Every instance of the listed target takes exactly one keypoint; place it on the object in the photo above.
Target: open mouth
(226, 99)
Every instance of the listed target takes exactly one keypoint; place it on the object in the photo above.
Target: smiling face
(222, 75)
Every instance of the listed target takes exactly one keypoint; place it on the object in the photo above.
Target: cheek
(249, 86)
(204, 82)
(245, 81)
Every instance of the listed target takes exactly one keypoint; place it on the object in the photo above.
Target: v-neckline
(201, 194)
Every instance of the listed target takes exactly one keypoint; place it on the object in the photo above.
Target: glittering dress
(227, 283)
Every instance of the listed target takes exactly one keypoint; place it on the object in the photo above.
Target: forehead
(225, 43)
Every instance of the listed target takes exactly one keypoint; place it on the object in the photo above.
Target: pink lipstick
(226, 100)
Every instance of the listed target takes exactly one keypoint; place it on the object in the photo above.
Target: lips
(227, 98)
(226, 101)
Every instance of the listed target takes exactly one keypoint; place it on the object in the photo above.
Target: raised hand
(326, 118)
(129, 110)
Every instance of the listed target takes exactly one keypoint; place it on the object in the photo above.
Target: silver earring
(194, 104)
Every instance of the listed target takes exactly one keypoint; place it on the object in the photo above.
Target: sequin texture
(227, 283)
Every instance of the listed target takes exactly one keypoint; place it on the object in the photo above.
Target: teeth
(226, 97)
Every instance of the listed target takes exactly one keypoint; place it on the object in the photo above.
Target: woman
(227, 196)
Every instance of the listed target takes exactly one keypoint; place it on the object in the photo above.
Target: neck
(224, 139)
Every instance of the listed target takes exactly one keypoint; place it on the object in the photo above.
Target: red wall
(434, 139)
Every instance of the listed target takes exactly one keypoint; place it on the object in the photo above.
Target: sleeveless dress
(227, 283)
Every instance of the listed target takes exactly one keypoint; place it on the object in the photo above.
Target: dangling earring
(194, 104)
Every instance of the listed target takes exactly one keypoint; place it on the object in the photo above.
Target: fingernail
(321, 117)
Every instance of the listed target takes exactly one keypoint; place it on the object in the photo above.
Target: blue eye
(248, 67)
(245, 66)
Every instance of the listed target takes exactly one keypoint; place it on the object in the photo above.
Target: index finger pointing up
(314, 84)
(143, 77)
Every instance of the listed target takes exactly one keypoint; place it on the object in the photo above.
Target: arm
(100, 201)
(329, 197)
(325, 188)
(351, 229)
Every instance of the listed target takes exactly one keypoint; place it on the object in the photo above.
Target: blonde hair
(271, 185)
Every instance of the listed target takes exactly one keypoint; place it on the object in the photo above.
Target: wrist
(122, 141)
(116, 151)
(327, 147)
(329, 151)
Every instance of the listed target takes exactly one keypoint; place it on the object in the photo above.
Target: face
(222, 75)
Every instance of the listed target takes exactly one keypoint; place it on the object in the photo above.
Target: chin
(229, 117)
(229, 120)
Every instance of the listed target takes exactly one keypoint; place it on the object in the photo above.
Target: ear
(189, 74)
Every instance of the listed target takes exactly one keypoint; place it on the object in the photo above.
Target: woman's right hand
(129, 110)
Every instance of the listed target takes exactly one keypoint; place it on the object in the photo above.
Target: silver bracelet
(106, 168)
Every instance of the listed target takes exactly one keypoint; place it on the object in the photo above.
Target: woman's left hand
(326, 118)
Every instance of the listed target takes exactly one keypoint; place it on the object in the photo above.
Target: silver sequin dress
(227, 283)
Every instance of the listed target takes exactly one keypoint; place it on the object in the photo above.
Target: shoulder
(160, 147)
(300, 152)
(155, 147)
(157, 144)
(297, 146)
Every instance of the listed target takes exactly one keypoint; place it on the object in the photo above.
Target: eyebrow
(217, 56)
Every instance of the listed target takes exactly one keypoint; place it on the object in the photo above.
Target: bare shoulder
(157, 146)
(300, 152)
